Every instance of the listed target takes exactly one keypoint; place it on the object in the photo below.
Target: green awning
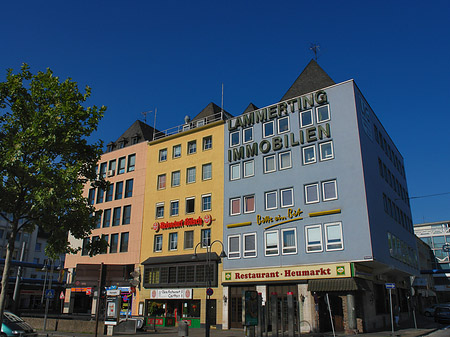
(340, 284)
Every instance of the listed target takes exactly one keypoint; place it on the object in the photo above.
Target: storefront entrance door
(235, 307)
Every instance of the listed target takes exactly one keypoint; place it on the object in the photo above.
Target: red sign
(61, 296)
(183, 223)
(88, 291)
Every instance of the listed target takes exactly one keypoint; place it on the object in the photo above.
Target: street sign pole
(392, 313)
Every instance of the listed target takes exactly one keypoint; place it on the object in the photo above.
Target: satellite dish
(187, 119)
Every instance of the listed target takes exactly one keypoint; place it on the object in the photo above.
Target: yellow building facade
(182, 227)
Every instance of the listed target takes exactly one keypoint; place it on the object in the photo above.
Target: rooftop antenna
(145, 113)
(154, 124)
(221, 110)
(315, 47)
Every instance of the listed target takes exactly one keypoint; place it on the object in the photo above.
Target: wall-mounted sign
(171, 293)
(188, 222)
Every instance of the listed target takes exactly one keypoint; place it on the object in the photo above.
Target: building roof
(251, 107)
(212, 110)
(138, 131)
(312, 78)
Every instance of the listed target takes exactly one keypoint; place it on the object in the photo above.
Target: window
(116, 216)
(103, 170)
(329, 190)
(284, 159)
(268, 129)
(271, 241)
(105, 237)
(309, 154)
(190, 176)
(38, 247)
(234, 138)
(124, 242)
(110, 192)
(106, 218)
(161, 181)
(289, 241)
(206, 202)
(269, 164)
(306, 118)
(111, 168)
(157, 243)
(287, 197)
(313, 238)
(249, 204)
(176, 178)
(189, 240)
(207, 143)
(160, 210)
(248, 135)
(131, 162)
(129, 188)
(192, 147)
(271, 200)
(311, 193)
(119, 190)
(85, 247)
(249, 168)
(126, 219)
(323, 113)
(100, 195)
(234, 247)
(36, 260)
(235, 206)
(176, 151)
(121, 165)
(173, 241)
(98, 222)
(249, 245)
(333, 236)
(163, 155)
(174, 207)
(206, 237)
(114, 243)
(283, 124)
(326, 151)
(207, 171)
(235, 171)
(91, 197)
(190, 205)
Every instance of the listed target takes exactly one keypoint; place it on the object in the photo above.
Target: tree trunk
(6, 270)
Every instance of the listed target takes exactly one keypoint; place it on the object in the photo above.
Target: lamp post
(208, 277)
(47, 300)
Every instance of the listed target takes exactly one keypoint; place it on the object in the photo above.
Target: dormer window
(135, 139)
(122, 143)
(110, 147)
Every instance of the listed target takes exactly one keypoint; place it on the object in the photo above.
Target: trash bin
(183, 329)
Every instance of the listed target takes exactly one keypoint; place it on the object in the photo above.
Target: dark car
(442, 314)
(14, 326)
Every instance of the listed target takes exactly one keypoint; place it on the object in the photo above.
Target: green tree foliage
(45, 160)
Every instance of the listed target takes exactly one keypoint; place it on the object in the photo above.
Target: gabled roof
(312, 78)
(212, 110)
(140, 129)
(251, 107)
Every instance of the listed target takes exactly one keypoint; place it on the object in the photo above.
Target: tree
(45, 160)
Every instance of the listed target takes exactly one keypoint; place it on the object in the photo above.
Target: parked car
(430, 310)
(14, 326)
(442, 314)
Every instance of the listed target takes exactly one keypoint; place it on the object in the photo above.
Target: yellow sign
(324, 271)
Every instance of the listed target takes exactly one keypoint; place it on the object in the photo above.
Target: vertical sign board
(251, 307)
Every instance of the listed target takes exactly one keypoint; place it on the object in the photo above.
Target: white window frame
(157, 246)
(280, 161)
(172, 180)
(161, 152)
(160, 176)
(282, 205)
(264, 129)
(174, 154)
(210, 202)
(172, 235)
(159, 205)
(265, 200)
(306, 194)
(274, 163)
(301, 119)
(232, 255)
(326, 236)
(190, 169)
(171, 207)
(185, 205)
(192, 147)
(317, 113)
(238, 165)
(253, 252)
(288, 124)
(290, 247)
(304, 157)
(321, 152)
(207, 143)
(244, 138)
(335, 189)
(238, 133)
(254, 203)
(252, 163)
(308, 246)
(231, 206)
(210, 171)
(277, 249)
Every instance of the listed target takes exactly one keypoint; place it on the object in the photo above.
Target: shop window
(326, 151)
(113, 245)
(176, 177)
(162, 155)
(129, 188)
(271, 200)
(234, 138)
(287, 197)
(173, 241)
(160, 210)
(116, 216)
(313, 238)
(157, 243)
(329, 190)
(121, 166)
(284, 159)
(234, 247)
(162, 181)
(309, 154)
(249, 168)
(206, 202)
(192, 147)
(311, 193)
(289, 241)
(119, 190)
(207, 171)
(189, 240)
(269, 164)
(176, 151)
(306, 118)
(268, 129)
(206, 237)
(126, 219)
(235, 206)
(247, 135)
(190, 205)
(190, 175)
(249, 204)
(271, 242)
(283, 125)
(207, 143)
(249, 245)
(323, 113)
(235, 171)
(174, 207)
(124, 237)
(333, 236)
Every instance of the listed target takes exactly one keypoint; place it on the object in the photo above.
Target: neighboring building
(120, 224)
(316, 203)
(437, 236)
(183, 216)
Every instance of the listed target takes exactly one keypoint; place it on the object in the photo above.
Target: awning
(177, 259)
(340, 284)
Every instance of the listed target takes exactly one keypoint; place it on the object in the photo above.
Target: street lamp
(208, 291)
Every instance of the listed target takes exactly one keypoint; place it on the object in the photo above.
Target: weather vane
(315, 49)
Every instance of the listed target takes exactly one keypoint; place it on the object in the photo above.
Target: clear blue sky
(174, 56)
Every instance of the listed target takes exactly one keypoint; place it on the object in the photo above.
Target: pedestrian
(396, 315)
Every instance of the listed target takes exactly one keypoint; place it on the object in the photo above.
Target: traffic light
(136, 278)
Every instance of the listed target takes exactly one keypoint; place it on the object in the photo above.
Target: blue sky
(175, 55)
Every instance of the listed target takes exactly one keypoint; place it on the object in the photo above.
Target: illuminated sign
(188, 222)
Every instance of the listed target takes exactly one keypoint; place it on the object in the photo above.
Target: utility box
(183, 329)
